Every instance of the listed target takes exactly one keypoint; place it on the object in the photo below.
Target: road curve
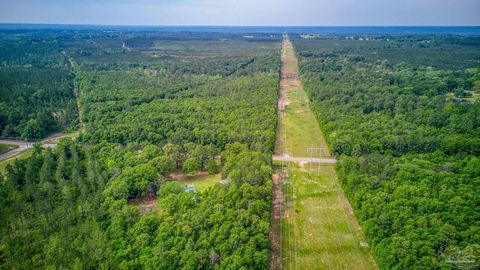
(48, 142)
(22, 146)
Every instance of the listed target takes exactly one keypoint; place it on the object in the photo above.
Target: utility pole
(312, 151)
(309, 150)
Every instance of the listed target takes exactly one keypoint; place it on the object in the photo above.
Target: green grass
(203, 182)
(301, 125)
(320, 231)
(7, 147)
(290, 62)
(299, 122)
(10, 160)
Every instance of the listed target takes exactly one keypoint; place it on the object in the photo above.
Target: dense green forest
(402, 116)
(152, 104)
(36, 88)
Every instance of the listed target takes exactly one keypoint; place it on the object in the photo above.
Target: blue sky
(243, 12)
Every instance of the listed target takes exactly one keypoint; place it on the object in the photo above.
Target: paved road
(22, 146)
(304, 159)
(48, 142)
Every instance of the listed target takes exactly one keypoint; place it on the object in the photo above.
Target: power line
(312, 151)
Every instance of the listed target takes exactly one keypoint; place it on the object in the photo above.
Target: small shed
(190, 188)
(224, 182)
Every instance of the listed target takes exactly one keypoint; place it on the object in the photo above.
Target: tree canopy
(159, 104)
(405, 139)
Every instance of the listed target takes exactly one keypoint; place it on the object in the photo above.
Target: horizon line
(220, 25)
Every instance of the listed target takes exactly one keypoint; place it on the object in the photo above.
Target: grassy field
(300, 125)
(319, 231)
(298, 122)
(203, 182)
(318, 228)
(6, 147)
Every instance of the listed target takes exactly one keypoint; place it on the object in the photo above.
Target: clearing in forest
(201, 181)
(313, 225)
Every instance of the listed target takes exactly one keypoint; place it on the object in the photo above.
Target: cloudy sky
(243, 12)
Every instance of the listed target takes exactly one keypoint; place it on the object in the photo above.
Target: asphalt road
(22, 146)
(48, 142)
